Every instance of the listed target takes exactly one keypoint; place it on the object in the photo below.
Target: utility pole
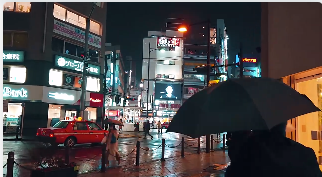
(147, 92)
(208, 77)
(241, 63)
(85, 64)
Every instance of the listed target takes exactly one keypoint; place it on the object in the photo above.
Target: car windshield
(61, 124)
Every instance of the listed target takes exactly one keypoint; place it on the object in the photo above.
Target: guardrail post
(182, 147)
(198, 150)
(137, 157)
(163, 149)
(103, 158)
(212, 142)
(10, 163)
(224, 142)
(67, 154)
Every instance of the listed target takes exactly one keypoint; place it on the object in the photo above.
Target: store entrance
(61, 112)
(12, 119)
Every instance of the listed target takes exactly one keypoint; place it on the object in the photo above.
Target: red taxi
(70, 133)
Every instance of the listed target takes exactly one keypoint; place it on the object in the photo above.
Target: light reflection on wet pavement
(88, 157)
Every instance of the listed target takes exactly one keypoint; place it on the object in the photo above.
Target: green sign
(13, 56)
(68, 63)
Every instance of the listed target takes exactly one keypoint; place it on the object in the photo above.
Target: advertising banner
(76, 33)
(13, 56)
(96, 100)
(71, 64)
(169, 91)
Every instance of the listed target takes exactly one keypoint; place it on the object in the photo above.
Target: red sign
(96, 100)
(113, 113)
(249, 60)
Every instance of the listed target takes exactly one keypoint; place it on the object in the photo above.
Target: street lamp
(182, 29)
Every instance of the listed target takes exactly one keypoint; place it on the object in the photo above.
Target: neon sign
(250, 60)
(168, 42)
(95, 100)
(13, 56)
(68, 63)
(9, 92)
(61, 96)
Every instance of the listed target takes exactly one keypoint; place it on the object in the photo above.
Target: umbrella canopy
(240, 104)
(111, 121)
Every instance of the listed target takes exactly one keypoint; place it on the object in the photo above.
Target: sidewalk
(191, 165)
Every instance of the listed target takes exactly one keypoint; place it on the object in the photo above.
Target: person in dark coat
(270, 153)
(146, 128)
(106, 123)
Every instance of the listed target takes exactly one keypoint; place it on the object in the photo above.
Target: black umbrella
(240, 104)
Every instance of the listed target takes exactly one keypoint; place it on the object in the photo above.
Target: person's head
(120, 120)
(169, 90)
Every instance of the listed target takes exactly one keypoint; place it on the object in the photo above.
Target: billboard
(168, 91)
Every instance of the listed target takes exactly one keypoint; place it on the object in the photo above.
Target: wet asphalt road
(88, 156)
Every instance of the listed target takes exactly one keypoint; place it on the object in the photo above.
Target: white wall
(176, 70)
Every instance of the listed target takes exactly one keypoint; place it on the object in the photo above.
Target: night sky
(128, 23)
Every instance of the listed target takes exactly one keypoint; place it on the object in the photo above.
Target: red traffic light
(82, 55)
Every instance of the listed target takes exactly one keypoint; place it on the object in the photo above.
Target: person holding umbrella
(269, 153)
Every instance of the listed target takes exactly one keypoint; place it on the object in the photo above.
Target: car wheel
(70, 141)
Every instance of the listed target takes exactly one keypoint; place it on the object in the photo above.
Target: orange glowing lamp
(182, 29)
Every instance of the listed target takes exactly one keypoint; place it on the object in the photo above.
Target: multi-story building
(195, 58)
(116, 81)
(163, 62)
(42, 57)
(251, 66)
(296, 61)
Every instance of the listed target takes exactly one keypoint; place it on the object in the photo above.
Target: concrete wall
(291, 38)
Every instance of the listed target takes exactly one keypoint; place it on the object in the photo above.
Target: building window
(17, 74)
(82, 22)
(20, 40)
(23, 7)
(70, 49)
(8, 6)
(7, 39)
(59, 12)
(57, 45)
(17, 6)
(61, 46)
(70, 17)
(95, 27)
(15, 39)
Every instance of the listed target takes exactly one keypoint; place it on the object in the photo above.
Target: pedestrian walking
(146, 128)
(106, 123)
(111, 140)
(159, 127)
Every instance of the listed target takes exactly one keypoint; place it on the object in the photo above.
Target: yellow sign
(249, 60)
(79, 118)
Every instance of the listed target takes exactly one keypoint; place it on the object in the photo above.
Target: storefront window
(17, 75)
(11, 118)
(93, 84)
(53, 114)
(55, 77)
(70, 49)
(91, 114)
(309, 126)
